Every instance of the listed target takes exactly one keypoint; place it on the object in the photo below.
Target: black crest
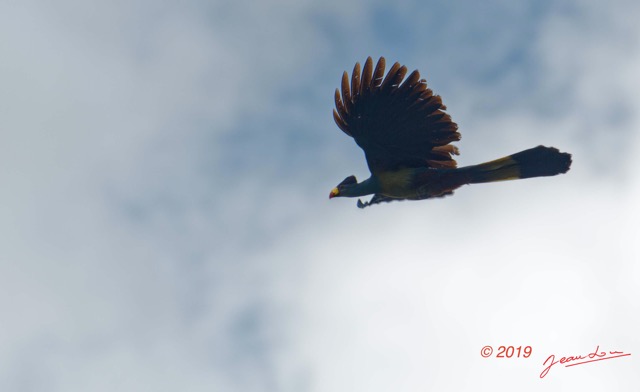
(348, 181)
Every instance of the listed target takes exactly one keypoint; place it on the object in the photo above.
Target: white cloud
(135, 257)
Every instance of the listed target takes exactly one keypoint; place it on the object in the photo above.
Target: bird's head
(343, 188)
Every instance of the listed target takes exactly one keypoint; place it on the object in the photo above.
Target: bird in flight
(406, 134)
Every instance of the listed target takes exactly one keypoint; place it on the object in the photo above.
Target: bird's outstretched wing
(397, 124)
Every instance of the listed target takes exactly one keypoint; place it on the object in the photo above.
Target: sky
(164, 213)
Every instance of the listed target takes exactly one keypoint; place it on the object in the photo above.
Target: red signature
(596, 355)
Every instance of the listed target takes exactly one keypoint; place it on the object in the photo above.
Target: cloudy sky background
(164, 221)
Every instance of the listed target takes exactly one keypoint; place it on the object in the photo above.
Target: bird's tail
(539, 161)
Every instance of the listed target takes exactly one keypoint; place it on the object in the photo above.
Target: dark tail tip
(542, 161)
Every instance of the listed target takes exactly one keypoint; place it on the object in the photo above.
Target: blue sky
(165, 222)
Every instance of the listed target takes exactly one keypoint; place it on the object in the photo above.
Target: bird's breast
(397, 183)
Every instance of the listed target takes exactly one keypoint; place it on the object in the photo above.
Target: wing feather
(346, 93)
(393, 78)
(378, 73)
(365, 86)
(355, 81)
(340, 122)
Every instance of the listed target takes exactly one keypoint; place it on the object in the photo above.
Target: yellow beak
(334, 193)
